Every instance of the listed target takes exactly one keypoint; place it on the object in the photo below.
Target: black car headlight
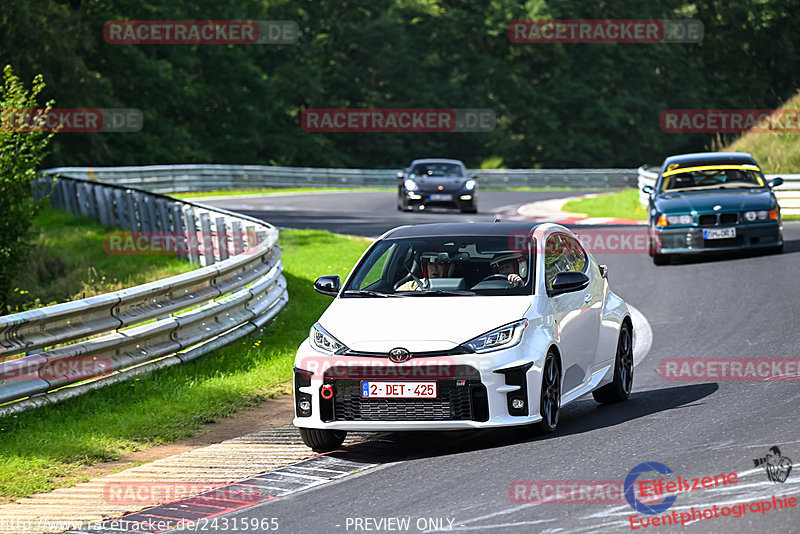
(500, 338)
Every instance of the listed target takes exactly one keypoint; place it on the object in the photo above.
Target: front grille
(454, 402)
(728, 218)
(707, 220)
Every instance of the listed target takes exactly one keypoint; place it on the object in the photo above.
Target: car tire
(550, 396)
(619, 389)
(778, 249)
(322, 440)
(661, 259)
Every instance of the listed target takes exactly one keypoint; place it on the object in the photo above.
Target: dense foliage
(557, 105)
(21, 153)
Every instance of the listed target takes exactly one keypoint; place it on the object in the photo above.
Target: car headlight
(763, 214)
(411, 184)
(751, 215)
(325, 342)
(470, 184)
(679, 219)
(499, 338)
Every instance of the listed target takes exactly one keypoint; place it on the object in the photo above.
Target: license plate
(439, 197)
(719, 233)
(398, 390)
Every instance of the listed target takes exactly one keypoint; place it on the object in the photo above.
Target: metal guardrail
(172, 320)
(788, 193)
(184, 178)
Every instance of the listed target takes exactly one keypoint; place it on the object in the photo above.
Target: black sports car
(712, 201)
(437, 182)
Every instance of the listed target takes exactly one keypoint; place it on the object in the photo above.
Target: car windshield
(712, 177)
(436, 169)
(444, 266)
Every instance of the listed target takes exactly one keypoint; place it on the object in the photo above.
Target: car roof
(462, 229)
(685, 160)
(437, 160)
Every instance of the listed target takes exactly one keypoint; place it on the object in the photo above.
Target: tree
(22, 148)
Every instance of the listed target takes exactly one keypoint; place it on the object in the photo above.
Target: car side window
(562, 253)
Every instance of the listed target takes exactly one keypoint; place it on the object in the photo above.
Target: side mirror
(328, 285)
(648, 189)
(400, 175)
(568, 281)
(604, 271)
(474, 176)
(776, 182)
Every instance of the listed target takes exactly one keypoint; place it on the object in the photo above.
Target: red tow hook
(327, 392)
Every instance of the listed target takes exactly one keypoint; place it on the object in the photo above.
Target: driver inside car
(432, 267)
(512, 264)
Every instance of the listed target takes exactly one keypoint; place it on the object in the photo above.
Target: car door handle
(587, 298)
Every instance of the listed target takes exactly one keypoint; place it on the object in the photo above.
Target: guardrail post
(237, 238)
(207, 239)
(120, 218)
(178, 230)
(130, 211)
(103, 203)
(163, 215)
(140, 200)
(222, 238)
(191, 235)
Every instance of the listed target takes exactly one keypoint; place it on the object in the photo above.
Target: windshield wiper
(442, 292)
(368, 293)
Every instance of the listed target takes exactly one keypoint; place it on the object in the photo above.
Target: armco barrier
(788, 193)
(163, 322)
(180, 178)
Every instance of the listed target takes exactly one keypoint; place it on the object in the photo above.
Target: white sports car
(462, 325)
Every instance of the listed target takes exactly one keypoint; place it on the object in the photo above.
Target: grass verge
(45, 448)
(623, 205)
(68, 261)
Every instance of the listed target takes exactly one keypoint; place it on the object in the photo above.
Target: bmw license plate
(398, 390)
(438, 197)
(719, 233)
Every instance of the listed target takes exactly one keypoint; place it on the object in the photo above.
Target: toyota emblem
(399, 355)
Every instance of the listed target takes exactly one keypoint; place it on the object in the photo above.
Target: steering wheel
(502, 277)
(704, 180)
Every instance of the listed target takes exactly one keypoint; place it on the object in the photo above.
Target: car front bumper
(473, 391)
(458, 199)
(689, 240)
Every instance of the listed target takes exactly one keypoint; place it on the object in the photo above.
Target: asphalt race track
(728, 306)
(369, 213)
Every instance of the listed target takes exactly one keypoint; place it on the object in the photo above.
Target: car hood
(418, 323)
(450, 183)
(704, 201)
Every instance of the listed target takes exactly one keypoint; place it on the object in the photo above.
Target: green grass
(45, 448)
(68, 261)
(622, 205)
(775, 152)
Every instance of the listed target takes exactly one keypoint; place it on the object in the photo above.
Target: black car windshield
(436, 169)
(445, 266)
(712, 177)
